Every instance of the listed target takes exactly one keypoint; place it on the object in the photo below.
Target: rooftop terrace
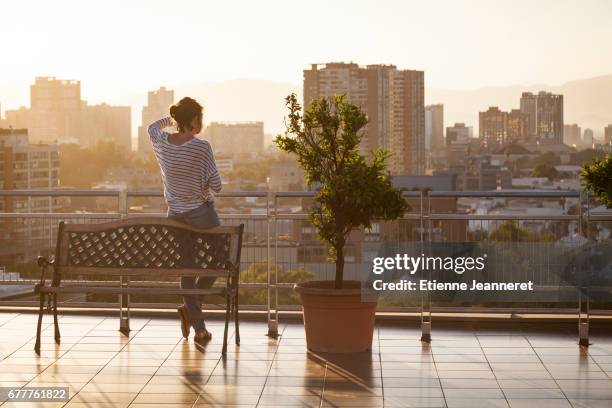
(464, 366)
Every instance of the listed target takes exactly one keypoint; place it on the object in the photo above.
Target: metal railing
(279, 240)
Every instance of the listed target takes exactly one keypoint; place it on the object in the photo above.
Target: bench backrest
(146, 246)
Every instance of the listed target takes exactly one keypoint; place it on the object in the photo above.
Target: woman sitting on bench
(189, 174)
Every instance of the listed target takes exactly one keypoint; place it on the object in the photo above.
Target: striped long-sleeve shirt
(188, 171)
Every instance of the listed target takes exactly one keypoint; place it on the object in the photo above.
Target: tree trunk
(339, 267)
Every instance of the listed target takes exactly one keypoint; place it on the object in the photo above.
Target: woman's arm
(211, 174)
(155, 129)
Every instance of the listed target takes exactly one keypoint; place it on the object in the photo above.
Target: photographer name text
(433, 285)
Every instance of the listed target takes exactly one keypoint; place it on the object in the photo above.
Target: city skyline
(472, 37)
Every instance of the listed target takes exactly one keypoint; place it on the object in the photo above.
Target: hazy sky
(119, 46)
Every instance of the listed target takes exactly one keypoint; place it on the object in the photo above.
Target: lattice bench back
(145, 246)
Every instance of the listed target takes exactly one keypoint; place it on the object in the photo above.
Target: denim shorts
(202, 217)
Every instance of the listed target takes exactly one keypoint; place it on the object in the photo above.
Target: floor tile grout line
(382, 380)
(433, 359)
(211, 372)
(158, 367)
(547, 370)
(62, 354)
(279, 339)
(11, 319)
(106, 365)
(323, 385)
(28, 340)
(607, 373)
(491, 368)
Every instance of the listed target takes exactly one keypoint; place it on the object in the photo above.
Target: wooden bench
(140, 250)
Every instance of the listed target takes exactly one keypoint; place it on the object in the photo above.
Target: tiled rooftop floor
(155, 367)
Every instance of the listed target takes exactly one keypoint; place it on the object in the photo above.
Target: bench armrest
(43, 263)
(232, 269)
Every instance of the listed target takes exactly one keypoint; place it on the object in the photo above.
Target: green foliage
(516, 165)
(258, 273)
(83, 167)
(511, 231)
(545, 170)
(251, 171)
(588, 155)
(597, 177)
(352, 191)
(548, 158)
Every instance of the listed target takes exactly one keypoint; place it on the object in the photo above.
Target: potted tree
(351, 192)
(597, 177)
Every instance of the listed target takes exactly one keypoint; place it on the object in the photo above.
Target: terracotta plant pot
(336, 320)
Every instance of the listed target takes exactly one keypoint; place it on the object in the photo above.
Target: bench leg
(228, 311)
(236, 318)
(39, 326)
(55, 322)
(124, 308)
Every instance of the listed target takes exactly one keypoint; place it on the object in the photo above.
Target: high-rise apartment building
(393, 100)
(518, 126)
(55, 108)
(434, 127)
(107, 123)
(608, 134)
(588, 138)
(458, 139)
(238, 140)
(529, 106)
(26, 166)
(545, 111)
(493, 128)
(571, 135)
(18, 118)
(158, 104)
(58, 115)
(459, 134)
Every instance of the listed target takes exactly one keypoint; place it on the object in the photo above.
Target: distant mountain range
(588, 102)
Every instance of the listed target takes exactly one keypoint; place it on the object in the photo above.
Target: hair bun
(184, 112)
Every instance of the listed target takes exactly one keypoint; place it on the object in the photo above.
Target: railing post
(124, 299)
(123, 203)
(583, 317)
(124, 307)
(425, 297)
(272, 304)
(583, 304)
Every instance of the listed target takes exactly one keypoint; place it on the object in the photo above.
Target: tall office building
(434, 127)
(239, 140)
(493, 128)
(545, 111)
(393, 100)
(608, 134)
(158, 104)
(588, 138)
(571, 134)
